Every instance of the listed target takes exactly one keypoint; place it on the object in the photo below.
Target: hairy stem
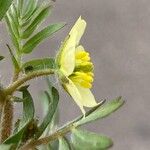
(26, 78)
(61, 132)
(16, 76)
(7, 117)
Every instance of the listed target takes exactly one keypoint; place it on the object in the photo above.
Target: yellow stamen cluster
(82, 56)
(83, 72)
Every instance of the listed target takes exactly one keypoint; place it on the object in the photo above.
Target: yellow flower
(75, 67)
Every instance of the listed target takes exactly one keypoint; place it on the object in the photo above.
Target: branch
(61, 132)
(10, 89)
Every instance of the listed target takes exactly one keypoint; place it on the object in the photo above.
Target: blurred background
(118, 38)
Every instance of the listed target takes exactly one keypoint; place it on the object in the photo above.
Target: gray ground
(118, 38)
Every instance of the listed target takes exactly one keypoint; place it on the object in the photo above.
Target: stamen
(85, 66)
(83, 79)
(86, 84)
(82, 55)
(83, 72)
(91, 74)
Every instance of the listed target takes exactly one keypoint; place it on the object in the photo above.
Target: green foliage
(88, 140)
(63, 144)
(11, 32)
(102, 111)
(14, 60)
(43, 13)
(38, 64)
(29, 8)
(4, 6)
(23, 20)
(52, 106)
(40, 36)
(53, 124)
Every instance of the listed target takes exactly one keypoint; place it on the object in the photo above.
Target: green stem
(61, 132)
(15, 85)
(16, 75)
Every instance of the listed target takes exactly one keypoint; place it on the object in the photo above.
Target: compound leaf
(40, 36)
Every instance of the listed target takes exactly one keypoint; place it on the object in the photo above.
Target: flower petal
(74, 92)
(79, 26)
(87, 99)
(79, 48)
(67, 58)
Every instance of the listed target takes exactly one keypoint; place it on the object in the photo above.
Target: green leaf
(53, 125)
(36, 39)
(39, 64)
(89, 140)
(40, 17)
(20, 4)
(4, 6)
(1, 58)
(15, 63)
(5, 147)
(89, 112)
(28, 106)
(28, 114)
(102, 111)
(13, 24)
(64, 144)
(11, 33)
(14, 14)
(29, 7)
(50, 113)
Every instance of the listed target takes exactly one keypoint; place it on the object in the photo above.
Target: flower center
(83, 72)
